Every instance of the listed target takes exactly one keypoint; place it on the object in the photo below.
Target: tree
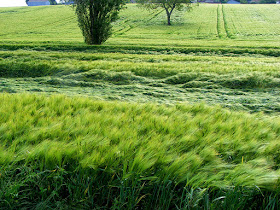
(168, 5)
(95, 18)
(53, 2)
(268, 1)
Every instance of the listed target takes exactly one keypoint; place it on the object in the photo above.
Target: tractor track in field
(221, 32)
(130, 26)
(225, 23)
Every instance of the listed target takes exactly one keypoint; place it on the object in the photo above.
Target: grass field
(159, 117)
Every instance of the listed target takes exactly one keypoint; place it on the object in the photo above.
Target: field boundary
(274, 52)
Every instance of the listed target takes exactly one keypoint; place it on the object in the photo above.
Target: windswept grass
(78, 152)
(107, 150)
(239, 82)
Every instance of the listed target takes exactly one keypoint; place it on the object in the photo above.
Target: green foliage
(95, 18)
(268, 1)
(169, 6)
(53, 2)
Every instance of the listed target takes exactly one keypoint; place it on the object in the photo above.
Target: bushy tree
(168, 5)
(95, 18)
(53, 2)
(268, 1)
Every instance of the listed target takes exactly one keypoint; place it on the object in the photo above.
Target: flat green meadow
(159, 117)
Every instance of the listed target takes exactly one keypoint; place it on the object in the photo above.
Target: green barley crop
(242, 82)
(124, 125)
(131, 151)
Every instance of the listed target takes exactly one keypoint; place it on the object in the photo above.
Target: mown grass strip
(132, 49)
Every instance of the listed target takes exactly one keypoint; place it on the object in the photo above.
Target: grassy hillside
(218, 22)
(125, 125)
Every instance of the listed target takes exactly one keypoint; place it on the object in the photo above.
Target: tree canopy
(95, 18)
(53, 2)
(168, 5)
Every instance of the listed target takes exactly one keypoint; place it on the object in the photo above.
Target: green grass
(242, 83)
(241, 22)
(96, 149)
(124, 125)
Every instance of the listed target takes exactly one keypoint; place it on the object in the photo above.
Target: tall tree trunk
(168, 13)
(168, 19)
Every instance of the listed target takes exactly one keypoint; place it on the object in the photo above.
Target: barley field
(159, 117)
